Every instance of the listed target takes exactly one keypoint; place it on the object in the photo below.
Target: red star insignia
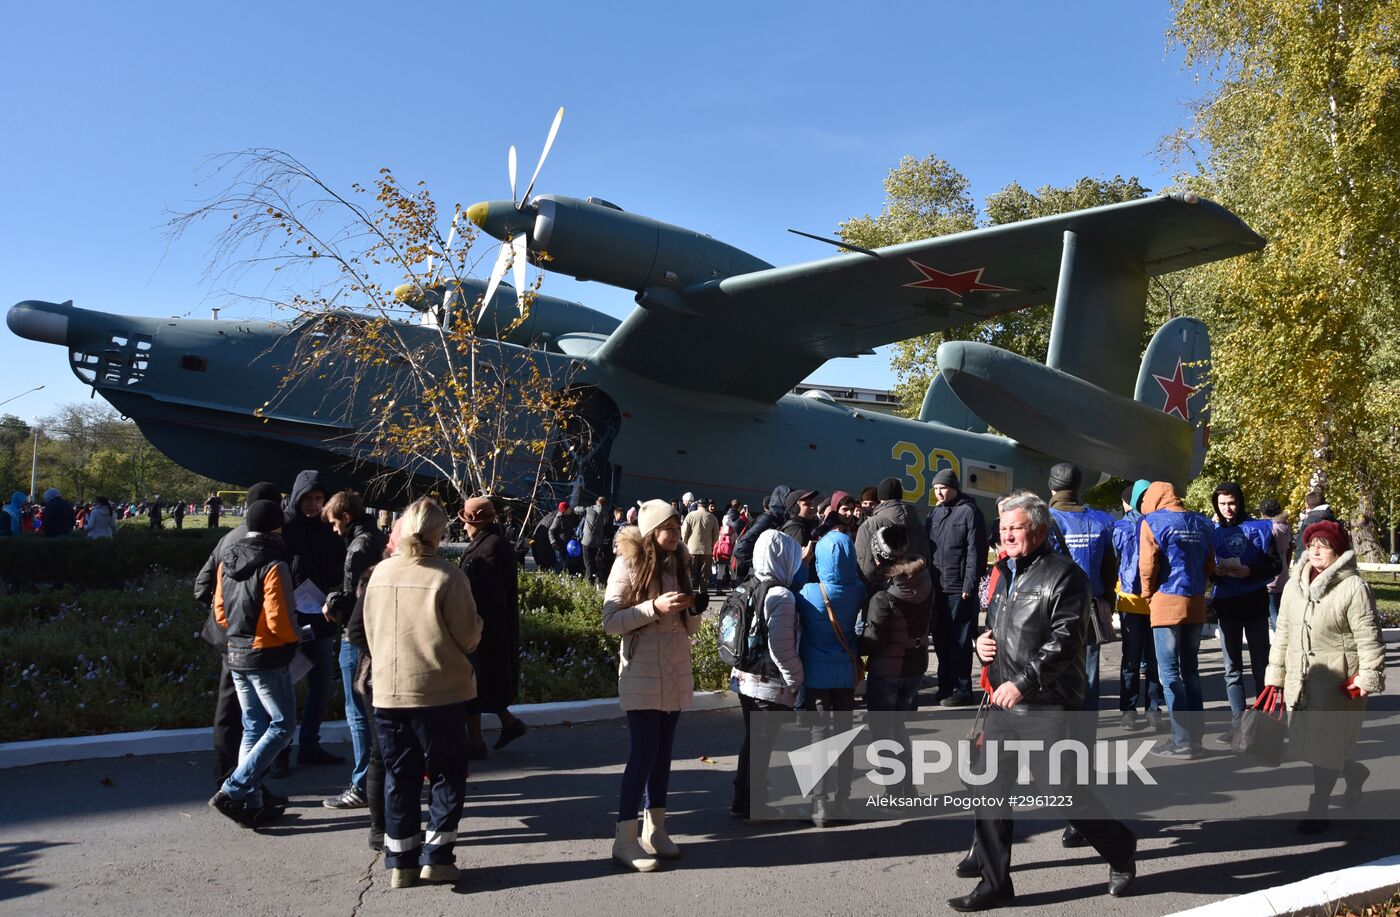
(959, 284)
(1177, 392)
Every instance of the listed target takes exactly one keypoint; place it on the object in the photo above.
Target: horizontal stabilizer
(943, 407)
(1067, 418)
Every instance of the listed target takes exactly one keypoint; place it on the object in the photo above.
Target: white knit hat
(652, 514)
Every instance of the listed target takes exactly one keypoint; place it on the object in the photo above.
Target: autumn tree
(929, 197)
(1300, 135)
(439, 398)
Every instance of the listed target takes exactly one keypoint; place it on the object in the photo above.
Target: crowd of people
(54, 516)
(854, 594)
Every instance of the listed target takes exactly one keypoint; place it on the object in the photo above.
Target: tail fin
(1175, 379)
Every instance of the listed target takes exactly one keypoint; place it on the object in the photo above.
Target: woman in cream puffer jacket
(648, 604)
(1328, 637)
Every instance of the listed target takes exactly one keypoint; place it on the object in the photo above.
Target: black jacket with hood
(771, 518)
(317, 553)
(890, 512)
(897, 622)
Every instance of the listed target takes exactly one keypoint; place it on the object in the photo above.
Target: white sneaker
(440, 872)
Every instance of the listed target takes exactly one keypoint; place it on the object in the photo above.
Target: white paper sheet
(310, 599)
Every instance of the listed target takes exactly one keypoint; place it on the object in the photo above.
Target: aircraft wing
(761, 333)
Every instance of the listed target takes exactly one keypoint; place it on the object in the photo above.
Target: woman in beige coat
(1328, 657)
(650, 606)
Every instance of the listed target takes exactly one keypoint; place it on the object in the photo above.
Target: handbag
(1262, 729)
(841, 638)
(1101, 622)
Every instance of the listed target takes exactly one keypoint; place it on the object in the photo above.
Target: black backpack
(743, 629)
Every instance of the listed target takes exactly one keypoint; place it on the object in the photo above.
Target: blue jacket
(825, 663)
(1252, 543)
(1126, 536)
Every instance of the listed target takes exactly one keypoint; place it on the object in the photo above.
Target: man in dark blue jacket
(957, 535)
(1246, 561)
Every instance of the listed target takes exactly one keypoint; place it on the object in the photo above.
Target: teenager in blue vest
(1134, 618)
(1086, 535)
(1246, 561)
(1175, 560)
(1088, 539)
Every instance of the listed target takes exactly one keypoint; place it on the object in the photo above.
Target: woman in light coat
(649, 604)
(1328, 640)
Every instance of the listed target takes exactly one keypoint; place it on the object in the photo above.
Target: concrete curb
(174, 741)
(1322, 895)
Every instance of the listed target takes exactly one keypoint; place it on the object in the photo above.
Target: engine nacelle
(599, 241)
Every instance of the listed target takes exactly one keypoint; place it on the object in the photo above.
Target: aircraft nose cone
(478, 213)
(502, 219)
(45, 322)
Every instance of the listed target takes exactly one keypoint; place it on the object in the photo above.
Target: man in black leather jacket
(1034, 654)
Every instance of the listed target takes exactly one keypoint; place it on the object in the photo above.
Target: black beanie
(263, 516)
(262, 491)
(890, 489)
(1066, 476)
(946, 478)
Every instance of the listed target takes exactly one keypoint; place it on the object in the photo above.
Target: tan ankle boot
(627, 852)
(654, 836)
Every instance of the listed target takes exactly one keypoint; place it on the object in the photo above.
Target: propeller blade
(497, 272)
(519, 248)
(549, 142)
(510, 165)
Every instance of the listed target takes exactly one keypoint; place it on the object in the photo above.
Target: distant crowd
(55, 516)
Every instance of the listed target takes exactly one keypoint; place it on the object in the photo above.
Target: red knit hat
(1330, 532)
(563, 506)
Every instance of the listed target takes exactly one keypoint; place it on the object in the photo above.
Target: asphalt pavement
(134, 836)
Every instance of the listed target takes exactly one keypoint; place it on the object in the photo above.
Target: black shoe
(981, 900)
(1130, 720)
(275, 800)
(968, 867)
(510, 732)
(266, 815)
(376, 838)
(1120, 880)
(351, 798)
(282, 767)
(1073, 837)
(1356, 775)
(1158, 722)
(234, 810)
(958, 700)
(315, 754)
(478, 752)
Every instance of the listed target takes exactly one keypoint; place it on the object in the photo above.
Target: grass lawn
(1387, 591)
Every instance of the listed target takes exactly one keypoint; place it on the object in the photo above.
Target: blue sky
(734, 119)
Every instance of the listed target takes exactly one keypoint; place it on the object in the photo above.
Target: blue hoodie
(825, 663)
(15, 510)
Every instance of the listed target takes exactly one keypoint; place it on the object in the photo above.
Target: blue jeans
(269, 706)
(318, 683)
(1178, 662)
(647, 776)
(1235, 632)
(355, 717)
(1274, 599)
(892, 693)
(1138, 649)
(414, 740)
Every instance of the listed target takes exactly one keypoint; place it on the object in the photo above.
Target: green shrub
(32, 563)
(76, 661)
